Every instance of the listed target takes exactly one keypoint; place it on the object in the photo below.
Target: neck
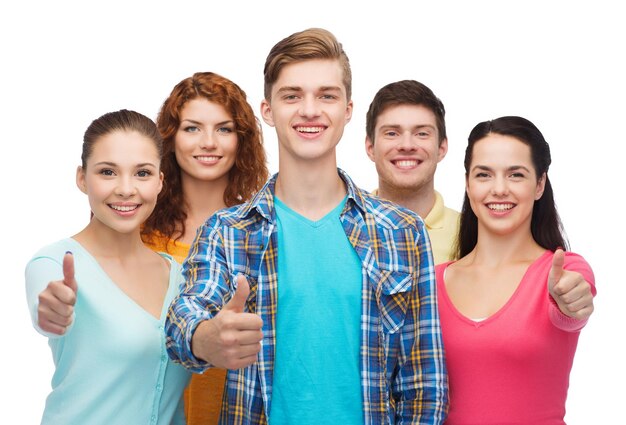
(420, 200)
(493, 250)
(103, 242)
(310, 189)
(202, 199)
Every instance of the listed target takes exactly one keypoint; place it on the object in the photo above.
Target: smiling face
(406, 149)
(309, 109)
(502, 185)
(205, 142)
(121, 179)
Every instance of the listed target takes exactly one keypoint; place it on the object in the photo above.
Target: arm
(571, 285)
(203, 330)
(421, 384)
(51, 302)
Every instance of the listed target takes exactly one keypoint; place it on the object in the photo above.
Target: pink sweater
(513, 367)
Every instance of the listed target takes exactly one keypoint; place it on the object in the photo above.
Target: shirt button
(159, 387)
(163, 358)
(153, 419)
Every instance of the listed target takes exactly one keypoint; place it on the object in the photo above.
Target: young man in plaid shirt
(318, 297)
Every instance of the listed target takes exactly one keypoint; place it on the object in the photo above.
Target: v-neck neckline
(120, 291)
(479, 323)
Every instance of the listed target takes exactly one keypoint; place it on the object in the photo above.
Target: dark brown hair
(122, 120)
(546, 227)
(405, 92)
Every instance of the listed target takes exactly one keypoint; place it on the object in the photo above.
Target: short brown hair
(312, 43)
(405, 92)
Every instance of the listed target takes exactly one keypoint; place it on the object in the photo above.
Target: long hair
(546, 227)
(249, 171)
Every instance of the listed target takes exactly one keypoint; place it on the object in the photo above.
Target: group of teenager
(302, 298)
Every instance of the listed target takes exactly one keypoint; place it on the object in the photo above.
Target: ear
(443, 149)
(541, 186)
(266, 113)
(161, 178)
(349, 108)
(80, 179)
(369, 149)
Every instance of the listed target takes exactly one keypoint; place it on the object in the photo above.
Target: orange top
(203, 396)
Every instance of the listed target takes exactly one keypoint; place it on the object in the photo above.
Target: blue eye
(191, 129)
(144, 173)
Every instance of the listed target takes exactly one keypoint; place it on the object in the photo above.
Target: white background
(560, 64)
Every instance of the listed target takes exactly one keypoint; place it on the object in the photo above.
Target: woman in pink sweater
(514, 303)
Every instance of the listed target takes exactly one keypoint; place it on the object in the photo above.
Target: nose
(309, 107)
(406, 142)
(126, 187)
(208, 141)
(500, 186)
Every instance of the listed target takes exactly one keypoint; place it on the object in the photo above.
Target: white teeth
(124, 208)
(500, 207)
(208, 158)
(406, 163)
(309, 129)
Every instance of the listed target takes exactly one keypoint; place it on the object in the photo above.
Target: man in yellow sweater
(406, 139)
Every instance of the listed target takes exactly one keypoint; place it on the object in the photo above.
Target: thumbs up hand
(570, 290)
(56, 302)
(232, 339)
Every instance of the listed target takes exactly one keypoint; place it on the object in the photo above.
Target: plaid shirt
(403, 374)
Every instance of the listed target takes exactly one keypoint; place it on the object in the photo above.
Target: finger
(249, 337)
(58, 297)
(556, 271)
(238, 302)
(68, 271)
(52, 328)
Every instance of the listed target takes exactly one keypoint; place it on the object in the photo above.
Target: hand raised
(232, 339)
(569, 289)
(56, 302)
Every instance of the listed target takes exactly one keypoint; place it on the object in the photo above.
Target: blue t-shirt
(316, 373)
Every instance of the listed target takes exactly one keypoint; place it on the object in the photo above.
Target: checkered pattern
(403, 375)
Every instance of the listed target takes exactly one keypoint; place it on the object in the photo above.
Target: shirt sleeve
(40, 271)
(207, 284)
(421, 384)
(576, 263)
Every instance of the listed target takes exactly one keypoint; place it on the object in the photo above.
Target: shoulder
(390, 215)
(56, 250)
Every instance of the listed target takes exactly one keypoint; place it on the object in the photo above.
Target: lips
(406, 163)
(500, 207)
(124, 208)
(208, 159)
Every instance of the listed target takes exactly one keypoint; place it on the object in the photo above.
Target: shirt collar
(263, 201)
(434, 219)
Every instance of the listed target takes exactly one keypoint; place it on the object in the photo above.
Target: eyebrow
(189, 120)
(297, 89)
(415, 127)
(113, 164)
(511, 168)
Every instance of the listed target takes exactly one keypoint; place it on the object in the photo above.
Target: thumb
(556, 271)
(68, 271)
(238, 302)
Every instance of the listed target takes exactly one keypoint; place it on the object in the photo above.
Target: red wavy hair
(249, 171)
